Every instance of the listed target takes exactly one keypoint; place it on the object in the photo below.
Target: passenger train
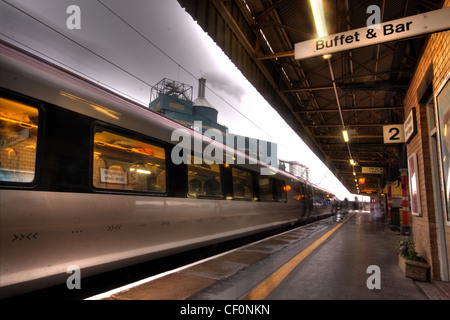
(86, 180)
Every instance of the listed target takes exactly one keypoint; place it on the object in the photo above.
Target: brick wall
(435, 59)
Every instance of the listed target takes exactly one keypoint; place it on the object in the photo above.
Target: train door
(299, 198)
(309, 198)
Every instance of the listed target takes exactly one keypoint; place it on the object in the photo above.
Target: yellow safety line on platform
(268, 285)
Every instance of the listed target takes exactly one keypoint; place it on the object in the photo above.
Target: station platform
(325, 260)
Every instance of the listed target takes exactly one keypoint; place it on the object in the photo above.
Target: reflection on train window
(122, 163)
(242, 184)
(321, 199)
(281, 190)
(265, 188)
(204, 179)
(18, 141)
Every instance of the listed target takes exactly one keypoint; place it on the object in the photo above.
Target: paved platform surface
(339, 268)
(325, 260)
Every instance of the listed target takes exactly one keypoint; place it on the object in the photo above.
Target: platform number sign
(394, 133)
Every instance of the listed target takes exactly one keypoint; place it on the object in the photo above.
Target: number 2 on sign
(393, 133)
(395, 136)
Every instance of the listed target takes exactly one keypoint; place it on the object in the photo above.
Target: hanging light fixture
(319, 21)
(319, 17)
(345, 134)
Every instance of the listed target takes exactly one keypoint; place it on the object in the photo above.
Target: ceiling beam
(275, 55)
(269, 10)
(358, 109)
(279, 25)
(351, 137)
(307, 89)
(351, 125)
(397, 85)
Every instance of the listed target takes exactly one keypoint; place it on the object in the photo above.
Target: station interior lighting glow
(345, 134)
(319, 21)
(319, 18)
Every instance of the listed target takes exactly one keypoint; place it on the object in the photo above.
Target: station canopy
(370, 82)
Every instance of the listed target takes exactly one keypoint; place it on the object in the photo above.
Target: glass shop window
(124, 163)
(204, 179)
(18, 141)
(242, 184)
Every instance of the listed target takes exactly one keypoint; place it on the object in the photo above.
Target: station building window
(18, 141)
(204, 179)
(242, 184)
(124, 163)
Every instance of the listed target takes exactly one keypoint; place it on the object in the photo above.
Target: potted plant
(411, 263)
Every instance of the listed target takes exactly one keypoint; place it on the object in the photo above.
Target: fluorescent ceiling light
(319, 17)
(319, 21)
(345, 133)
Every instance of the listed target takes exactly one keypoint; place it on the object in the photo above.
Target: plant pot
(416, 270)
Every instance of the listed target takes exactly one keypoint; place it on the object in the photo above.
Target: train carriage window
(317, 199)
(281, 190)
(124, 163)
(204, 180)
(18, 141)
(242, 184)
(265, 188)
